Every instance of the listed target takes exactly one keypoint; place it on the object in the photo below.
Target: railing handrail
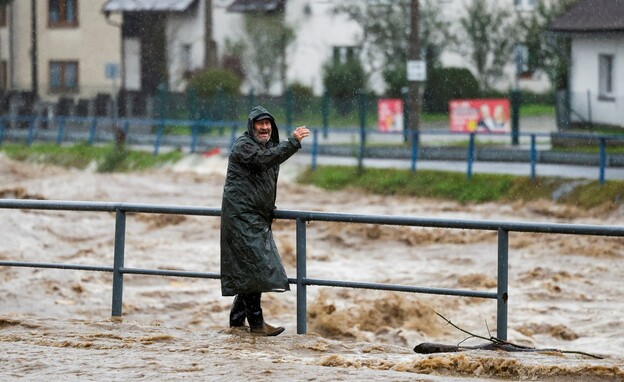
(302, 217)
(400, 220)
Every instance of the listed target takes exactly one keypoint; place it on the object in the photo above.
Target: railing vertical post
(533, 156)
(194, 129)
(126, 127)
(301, 275)
(2, 124)
(516, 100)
(362, 115)
(325, 113)
(120, 239)
(233, 137)
(289, 110)
(159, 135)
(92, 130)
(589, 108)
(61, 129)
(603, 159)
(314, 148)
(31, 130)
(502, 295)
(415, 139)
(470, 156)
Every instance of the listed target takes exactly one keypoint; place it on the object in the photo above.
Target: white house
(318, 32)
(596, 79)
(185, 29)
(86, 48)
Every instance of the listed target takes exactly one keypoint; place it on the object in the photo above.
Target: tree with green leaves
(385, 41)
(267, 36)
(546, 52)
(486, 36)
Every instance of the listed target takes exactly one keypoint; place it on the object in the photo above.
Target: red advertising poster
(390, 114)
(479, 115)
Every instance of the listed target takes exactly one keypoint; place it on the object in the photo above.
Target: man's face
(262, 130)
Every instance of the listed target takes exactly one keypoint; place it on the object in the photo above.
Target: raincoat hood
(256, 113)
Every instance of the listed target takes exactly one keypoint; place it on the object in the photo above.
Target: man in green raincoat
(250, 262)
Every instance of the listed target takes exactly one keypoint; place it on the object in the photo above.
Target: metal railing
(362, 143)
(301, 218)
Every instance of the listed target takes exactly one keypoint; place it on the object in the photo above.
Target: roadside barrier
(355, 142)
(301, 218)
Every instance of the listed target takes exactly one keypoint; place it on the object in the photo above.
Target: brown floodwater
(565, 292)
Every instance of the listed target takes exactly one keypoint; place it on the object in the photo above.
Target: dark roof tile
(256, 5)
(588, 16)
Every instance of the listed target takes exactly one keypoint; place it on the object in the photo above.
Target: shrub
(445, 84)
(301, 96)
(395, 78)
(344, 80)
(208, 82)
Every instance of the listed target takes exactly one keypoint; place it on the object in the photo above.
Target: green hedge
(445, 84)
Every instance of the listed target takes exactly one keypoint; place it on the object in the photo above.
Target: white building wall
(584, 80)
(185, 29)
(454, 10)
(316, 34)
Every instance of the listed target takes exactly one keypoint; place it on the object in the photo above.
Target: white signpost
(416, 70)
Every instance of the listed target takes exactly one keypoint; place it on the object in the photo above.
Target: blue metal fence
(209, 134)
(301, 218)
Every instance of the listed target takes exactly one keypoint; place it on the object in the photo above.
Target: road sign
(416, 70)
(111, 71)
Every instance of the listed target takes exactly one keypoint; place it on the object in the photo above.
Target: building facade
(86, 48)
(75, 49)
(595, 29)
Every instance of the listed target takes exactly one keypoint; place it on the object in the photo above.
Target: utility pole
(414, 76)
(33, 38)
(210, 46)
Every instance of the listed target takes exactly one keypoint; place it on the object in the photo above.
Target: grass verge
(455, 186)
(107, 158)
(480, 188)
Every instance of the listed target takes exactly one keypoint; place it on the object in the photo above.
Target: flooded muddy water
(565, 291)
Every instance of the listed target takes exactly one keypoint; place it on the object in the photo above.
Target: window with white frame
(605, 75)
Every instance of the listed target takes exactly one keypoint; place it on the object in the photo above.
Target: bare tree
(487, 36)
(386, 26)
(266, 40)
(545, 52)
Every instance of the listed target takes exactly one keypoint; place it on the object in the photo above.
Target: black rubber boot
(253, 309)
(257, 326)
(238, 313)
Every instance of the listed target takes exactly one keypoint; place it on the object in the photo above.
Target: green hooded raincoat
(250, 262)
